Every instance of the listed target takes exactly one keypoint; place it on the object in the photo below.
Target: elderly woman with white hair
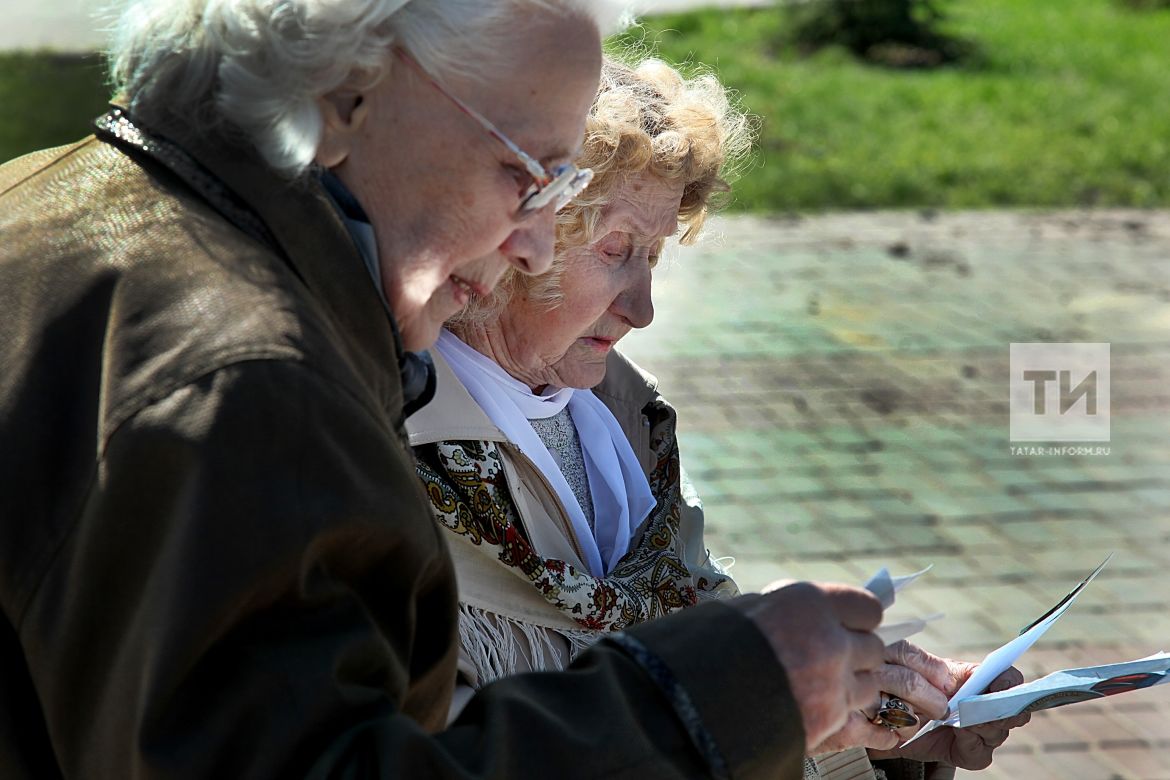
(552, 461)
(215, 559)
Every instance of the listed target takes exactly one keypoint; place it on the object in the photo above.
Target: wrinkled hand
(967, 748)
(922, 680)
(823, 636)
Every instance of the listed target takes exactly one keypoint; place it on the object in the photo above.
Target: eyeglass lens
(567, 183)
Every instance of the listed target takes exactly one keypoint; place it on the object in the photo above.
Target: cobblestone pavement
(842, 391)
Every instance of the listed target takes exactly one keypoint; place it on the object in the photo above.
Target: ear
(343, 113)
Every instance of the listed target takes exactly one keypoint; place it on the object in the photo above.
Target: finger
(1017, 721)
(910, 686)
(960, 671)
(992, 736)
(1010, 678)
(776, 585)
(864, 691)
(930, 666)
(1013, 722)
(881, 738)
(969, 750)
(857, 609)
(957, 672)
(866, 651)
(860, 730)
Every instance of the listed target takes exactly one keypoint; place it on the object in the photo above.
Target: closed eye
(656, 252)
(614, 248)
(615, 257)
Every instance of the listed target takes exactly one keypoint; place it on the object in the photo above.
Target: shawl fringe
(500, 646)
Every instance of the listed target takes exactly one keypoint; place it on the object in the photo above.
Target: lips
(470, 287)
(611, 339)
(599, 342)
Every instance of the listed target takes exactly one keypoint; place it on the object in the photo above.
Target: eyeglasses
(559, 186)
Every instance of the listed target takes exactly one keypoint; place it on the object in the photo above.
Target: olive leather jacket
(215, 557)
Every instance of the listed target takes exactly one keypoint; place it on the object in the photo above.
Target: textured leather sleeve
(730, 675)
(253, 589)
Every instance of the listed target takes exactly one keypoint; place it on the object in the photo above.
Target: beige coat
(487, 586)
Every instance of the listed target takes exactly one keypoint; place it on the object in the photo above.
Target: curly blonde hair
(647, 118)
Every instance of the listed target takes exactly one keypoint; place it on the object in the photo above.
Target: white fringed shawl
(498, 646)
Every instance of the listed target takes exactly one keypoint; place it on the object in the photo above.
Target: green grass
(1067, 104)
(49, 99)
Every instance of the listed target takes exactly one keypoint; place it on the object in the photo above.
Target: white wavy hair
(258, 66)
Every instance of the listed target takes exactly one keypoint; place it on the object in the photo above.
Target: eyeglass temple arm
(535, 169)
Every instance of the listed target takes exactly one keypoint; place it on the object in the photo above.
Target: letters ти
(1068, 395)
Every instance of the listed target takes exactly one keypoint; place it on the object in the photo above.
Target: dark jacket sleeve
(253, 589)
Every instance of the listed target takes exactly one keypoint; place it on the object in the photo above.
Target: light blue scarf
(620, 490)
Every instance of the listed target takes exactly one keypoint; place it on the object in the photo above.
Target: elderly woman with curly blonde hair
(568, 509)
(552, 460)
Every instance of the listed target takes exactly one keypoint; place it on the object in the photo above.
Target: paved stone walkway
(842, 390)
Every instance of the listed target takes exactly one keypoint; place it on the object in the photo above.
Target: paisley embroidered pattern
(469, 494)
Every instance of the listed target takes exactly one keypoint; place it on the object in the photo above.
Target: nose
(529, 248)
(635, 304)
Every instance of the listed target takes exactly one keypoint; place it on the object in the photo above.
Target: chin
(589, 380)
(423, 331)
(420, 335)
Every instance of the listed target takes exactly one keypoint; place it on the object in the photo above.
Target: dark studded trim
(679, 699)
(115, 127)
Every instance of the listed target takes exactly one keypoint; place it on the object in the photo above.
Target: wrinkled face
(442, 194)
(606, 289)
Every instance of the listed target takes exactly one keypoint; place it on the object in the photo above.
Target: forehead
(643, 205)
(541, 95)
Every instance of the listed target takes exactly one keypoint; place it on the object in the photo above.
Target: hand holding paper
(970, 748)
(997, 661)
(923, 681)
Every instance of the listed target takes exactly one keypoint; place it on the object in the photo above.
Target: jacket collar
(626, 383)
(453, 415)
(298, 217)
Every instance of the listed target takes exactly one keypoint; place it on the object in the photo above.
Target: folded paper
(1066, 687)
(886, 588)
